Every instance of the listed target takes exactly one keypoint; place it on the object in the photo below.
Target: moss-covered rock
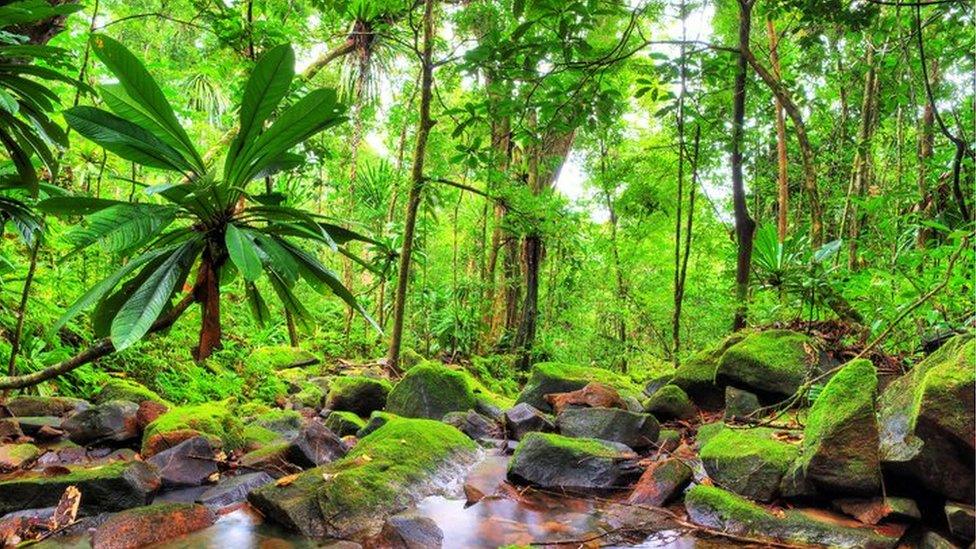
(152, 524)
(740, 403)
(272, 459)
(773, 362)
(261, 372)
(707, 431)
(374, 422)
(661, 482)
(280, 357)
(126, 389)
(185, 422)
(344, 423)
(839, 454)
(636, 430)
(750, 462)
(556, 461)
(556, 377)
(430, 391)
(256, 437)
(670, 402)
(360, 395)
(696, 376)
(389, 470)
(284, 422)
(112, 487)
(15, 456)
(43, 406)
(310, 395)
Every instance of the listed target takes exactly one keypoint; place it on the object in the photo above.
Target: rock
(660, 483)
(524, 418)
(149, 411)
(592, 395)
(431, 391)
(375, 421)
(344, 423)
(315, 445)
(286, 423)
(670, 402)
(16, 456)
(668, 440)
(9, 429)
(280, 357)
(112, 421)
(394, 467)
(186, 422)
(718, 509)
(749, 462)
(112, 487)
(633, 429)
(45, 427)
(696, 376)
(272, 459)
(839, 453)
(962, 520)
(923, 416)
(411, 531)
(231, 490)
(152, 524)
(32, 406)
(555, 461)
(739, 403)
(357, 394)
(656, 382)
(874, 510)
(189, 463)
(473, 424)
(553, 377)
(126, 389)
(772, 362)
(932, 540)
(309, 396)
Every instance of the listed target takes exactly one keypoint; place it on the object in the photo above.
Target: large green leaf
(243, 252)
(21, 160)
(259, 308)
(121, 104)
(122, 227)
(146, 303)
(76, 205)
(291, 303)
(125, 139)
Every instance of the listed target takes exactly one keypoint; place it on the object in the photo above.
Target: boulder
(696, 376)
(189, 463)
(344, 423)
(523, 418)
(431, 391)
(149, 411)
(375, 421)
(231, 490)
(668, 440)
(309, 395)
(749, 462)
(661, 482)
(10, 429)
(393, 468)
(273, 459)
(874, 510)
(739, 403)
(280, 357)
(360, 395)
(153, 524)
(111, 421)
(555, 461)
(410, 531)
(554, 377)
(26, 405)
(40, 426)
(315, 445)
(633, 429)
(286, 423)
(126, 389)
(185, 422)
(473, 424)
(961, 519)
(670, 402)
(16, 456)
(111, 487)
(592, 395)
(932, 540)
(718, 509)
(772, 362)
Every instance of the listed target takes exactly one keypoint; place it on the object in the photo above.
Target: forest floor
(774, 438)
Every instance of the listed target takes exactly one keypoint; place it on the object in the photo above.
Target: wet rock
(661, 483)
(962, 520)
(473, 424)
(739, 403)
(112, 421)
(670, 402)
(16, 456)
(718, 509)
(555, 461)
(635, 430)
(126, 389)
(315, 445)
(549, 378)
(152, 524)
(9, 429)
(33, 425)
(592, 395)
(524, 418)
(749, 462)
(357, 394)
(33, 406)
(839, 453)
(112, 487)
(696, 376)
(431, 391)
(185, 422)
(411, 531)
(874, 510)
(189, 463)
(344, 423)
(272, 459)
(932, 540)
(393, 468)
(231, 490)
(668, 440)
(772, 362)
(286, 423)
(149, 411)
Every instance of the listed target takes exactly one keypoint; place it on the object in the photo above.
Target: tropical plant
(205, 217)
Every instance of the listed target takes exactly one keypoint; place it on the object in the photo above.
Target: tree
(745, 226)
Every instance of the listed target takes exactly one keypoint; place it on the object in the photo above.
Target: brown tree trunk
(207, 294)
(781, 179)
(745, 227)
(926, 139)
(860, 173)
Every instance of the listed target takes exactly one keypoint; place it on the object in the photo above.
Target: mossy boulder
(556, 461)
(310, 395)
(344, 423)
(840, 454)
(16, 456)
(360, 395)
(262, 372)
(256, 437)
(556, 377)
(633, 429)
(374, 422)
(110, 421)
(772, 362)
(126, 389)
(286, 423)
(670, 402)
(272, 459)
(696, 376)
(750, 462)
(430, 391)
(151, 525)
(389, 470)
(280, 357)
(214, 419)
(45, 406)
(108, 488)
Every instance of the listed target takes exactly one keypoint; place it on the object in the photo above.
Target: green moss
(279, 357)
(273, 450)
(707, 431)
(430, 390)
(311, 395)
(850, 392)
(947, 379)
(410, 358)
(256, 436)
(251, 409)
(775, 361)
(280, 420)
(726, 505)
(76, 474)
(578, 447)
(558, 377)
(749, 462)
(359, 394)
(344, 423)
(670, 401)
(731, 443)
(212, 418)
(261, 371)
(376, 420)
(700, 369)
(125, 389)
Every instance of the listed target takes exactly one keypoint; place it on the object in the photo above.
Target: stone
(392, 469)
(668, 440)
(592, 395)
(33, 425)
(696, 376)
(430, 391)
(113, 487)
(524, 418)
(360, 395)
(661, 482)
(739, 404)
(149, 411)
(17, 456)
(185, 422)
(749, 462)
(670, 402)
(111, 421)
(771, 362)
(962, 520)
(411, 531)
(153, 524)
(189, 463)
(10, 429)
(32, 406)
(548, 378)
(473, 424)
(932, 540)
(126, 389)
(556, 461)
(286, 423)
(272, 459)
(375, 421)
(231, 490)
(636, 430)
(344, 423)
(874, 510)
(315, 445)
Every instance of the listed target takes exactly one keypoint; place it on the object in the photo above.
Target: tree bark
(207, 293)
(860, 174)
(745, 226)
(783, 196)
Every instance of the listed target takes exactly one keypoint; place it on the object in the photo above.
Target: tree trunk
(745, 227)
(416, 183)
(207, 294)
(862, 160)
(683, 272)
(782, 183)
